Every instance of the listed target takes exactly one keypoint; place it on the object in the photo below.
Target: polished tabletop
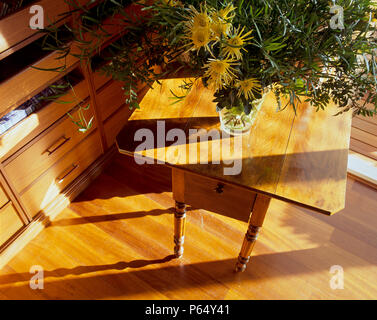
(300, 157)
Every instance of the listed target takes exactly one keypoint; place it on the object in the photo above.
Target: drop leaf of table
(299, 157)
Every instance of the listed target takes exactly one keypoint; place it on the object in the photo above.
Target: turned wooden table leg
(179, 228)
(180, 210)
(255, 223)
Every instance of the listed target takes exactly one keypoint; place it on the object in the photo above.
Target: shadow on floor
(112, 217)
(62, 272)
(124, 178)
(167, 279)
(109, 217)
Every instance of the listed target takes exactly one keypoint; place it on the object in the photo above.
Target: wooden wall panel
(364, 136)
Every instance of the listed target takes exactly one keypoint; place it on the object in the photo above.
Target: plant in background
(241, 49)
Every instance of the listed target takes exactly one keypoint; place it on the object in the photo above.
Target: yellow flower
(200, 37)
(171, 3)
(220, 21)
(224, 13)
(234, 45)
(198, 29)
(198, 19)
(219, 28)
(248, 87)
(220, 72)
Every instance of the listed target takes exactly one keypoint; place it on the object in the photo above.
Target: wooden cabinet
(10, 222)
(15, 29)
(115, 123)
(3, 197)
(30, 81)
(15, 138)
(45, 151)
(99, 80)
(110, 98)
(39, 194)
(43, 156)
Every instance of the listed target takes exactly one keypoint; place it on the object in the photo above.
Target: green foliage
(293, 51)
(81, 122)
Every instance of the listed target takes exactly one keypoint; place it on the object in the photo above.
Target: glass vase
(234, 121)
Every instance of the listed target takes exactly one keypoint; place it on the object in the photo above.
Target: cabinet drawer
(47, 150)
(3, 197)
(100, 79)
(110, 98)
(10, 222)
(212, 195)
(42, 191)
(16, 27)
(37, 122)
(115, 123)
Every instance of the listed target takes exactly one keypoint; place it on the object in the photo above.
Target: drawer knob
(220, 188)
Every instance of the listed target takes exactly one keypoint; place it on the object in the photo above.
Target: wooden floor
(115, 242)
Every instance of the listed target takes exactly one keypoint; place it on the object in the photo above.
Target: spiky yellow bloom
(220, 25)
(175, 3)
(220, 72)
(198, 29)
(171, 3)
(237, 40)
(198, 19)
(227, 13)
(248, 88)
(199, 37)
(220, 28)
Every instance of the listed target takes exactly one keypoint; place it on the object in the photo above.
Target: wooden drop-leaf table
(298, 157)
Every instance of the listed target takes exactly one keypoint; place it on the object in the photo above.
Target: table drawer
(3, 197)
(48, 148)
(115, 123)
(10, 222)
(110, 98)
(212, 195)
(39, 194)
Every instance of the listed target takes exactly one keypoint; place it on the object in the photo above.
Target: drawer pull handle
(68, 171)
(65, 140)
(220, 188)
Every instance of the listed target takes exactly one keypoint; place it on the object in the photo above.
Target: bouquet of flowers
(304, 50)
